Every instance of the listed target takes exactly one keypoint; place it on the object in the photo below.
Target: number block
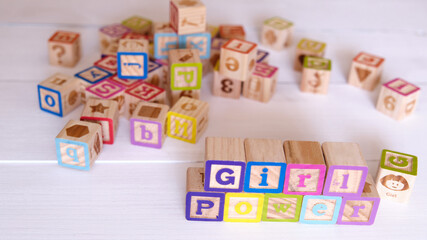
(108, 63)
(305, 170)
(320, 209)
(178, 94)
(138, 24)
(79, 144)
(132, 59)
(262, 56)
(64, 49)
(148, 124)
(398, 99)
(281, 208)
(277, 33)
(185, 69)
(232, 32)
(202, 205)
(347, 169)
(188, 119)
(224, 86)
(365, 71)
(187, 16)
(316, 74)
(156, 75)
(109, 90)
(396, 175)
(142, 92)
(90, 76)
(243, 207)
(237, 59)
(165, 39)
(262, 84)
(110, 35)
(199, 41)
(59, 94)
(307, 47)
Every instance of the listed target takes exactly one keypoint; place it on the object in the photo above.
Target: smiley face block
(365, 71)
(110, 35)
(79, 144)
(262, 84)
(132, 59)
(187, 16)
(185, 69)
(243, 207)
(307, 47)
(108, 63)
(138, 24)
(315, 75)
(281, 208)
(320, 209)
(142, 92)
(277, 33)
(398, 99)
(396, 175)
(237, 60)
(232, 31)
(108, 89)
(64, 49)
(59, 94)
(165, 39)
(199, 41)
(89, 77)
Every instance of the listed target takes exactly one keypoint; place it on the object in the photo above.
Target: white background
(138, 193)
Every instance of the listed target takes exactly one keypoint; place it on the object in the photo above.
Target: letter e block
(277, 33)
(64, 49)
(187, 16)
(320, 209)
(365, 71)
(281, 208)
(185, 69)
(316, 74)
(243, 207)
(237, 59)
(307, 47)
(110, 36)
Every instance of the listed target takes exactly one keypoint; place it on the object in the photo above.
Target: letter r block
(281, 208)
(320, 209)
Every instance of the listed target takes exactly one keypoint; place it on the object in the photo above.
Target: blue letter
(200, 206)
(230, 180)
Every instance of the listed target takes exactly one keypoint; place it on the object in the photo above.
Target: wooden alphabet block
(64, 49)
(188, 119)
(199, 41)
(396, 175)
(305, 170)
(126, 83)
(213, 30)
(307, 47)
(142, 92)
(266, 165)
(178, 94)
(185, 69)
(232, 32)
(156, 75)
(225, 164)
(187, 16)
(79, 144)
(104, 112)
(216, 45)
(243, 207)
(277, 33)
(109, 90)
(262, 84)
(132, 59)
(237, 59)
(111, 34)
(398, 98)
(59, 94)
(165, 39)
(320, 209)
(281, 207)
(90, 76)
(316, 73)
(138, 24)
(224, 86)
(346, 169)
(108, 63)
(202, 205)
(365, 71)
(148, 124)
(262, 56)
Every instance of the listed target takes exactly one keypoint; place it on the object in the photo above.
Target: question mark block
(109, 90)
(281, 207)
(316, 74)
(199, 41)
(142, 91)
(79, 144)
(237, 59)
(261, 86)
(277, 33)
(224, 86)
(132, 59)
(59, 94)
(398, 99)
(365, 71)
(243, 207)
(188, 16)
(320, 209)
(64, 49)
(110, 35)
(138, 24)
(185, 69)
(308, 47)
(232, 31)
(165, 39)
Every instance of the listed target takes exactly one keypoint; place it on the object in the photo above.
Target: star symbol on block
(99, 108)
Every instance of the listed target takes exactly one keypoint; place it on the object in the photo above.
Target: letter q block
(185, 69)
(237, 59)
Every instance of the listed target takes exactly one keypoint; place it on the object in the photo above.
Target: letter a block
(243, 207)
(277, 33)
(307, 47)
(142, 91)
(164, 40)
(262, 83)
(187, 16)
(320, 209)
(185, 69)
(316, 74)
(366, 70)
(132, 59)
(281, 208)
(237, 59)
(225, 164)
(79, 144)
(64, 49)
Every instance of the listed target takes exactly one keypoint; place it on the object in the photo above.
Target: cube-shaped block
(316, 74)
(165, 39)
(307, 47)
(199, 41)
(126, 83)
(177, 94)
(237, 59)
(156, 75)
(216, 45)
(108, 63)
(262, 56)
(187, 16)
(185, 69)
(243, 207)
(64, 49)
(138, 24)
(320, 209)
(262, 83)
(108, 89)
(142, 91)
(277, 33)
(110, 35)
(132, 59)
(281, 207)
(91, 76)
(224, 86)
(365, 71)
(232, 31)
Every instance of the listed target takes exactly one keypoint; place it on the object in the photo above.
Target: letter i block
(396, 175)
(360, 210)
(59, 94)
(237, 60)
(305, 170)
(262, 56)
(188, 119)
(224, 86)
(262, 83)
(108, 89)
(108, 63)
(315, 75)
(365, 71)
(398, 99)
(132, 59)
(148, 124)
(110, 35)
(225, 164)
(266, 166)
(202, 205)
(138, 24)
(281, 208)
(64, 49)
(188, 16)
(243, 207)
(199, 41)
(347, 169)
(277, 33)
(165, 39)
(320, 209)
(307, 47)
(79, 144)
(185, 69)
(232, 31)
(89, 77)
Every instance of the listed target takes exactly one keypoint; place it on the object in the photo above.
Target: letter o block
(277, 33)
(243, 207)
(320, 209)
(237, 59)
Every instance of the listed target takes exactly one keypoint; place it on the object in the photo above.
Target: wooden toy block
(132, 59)
(206, 67)
(243, 207)
(262, 56)
(138, 24)
(185, 69)
(265, 167)
(165, 39)
(199, 41)
(109, 90)
(142, 91)
(108, 63)
(280, 207)
(202, 205)
(307, 47)
(396, 175)
(316, 73)
(111, 50)
(213, 30)
(187, 16)
(305, 170)
(232, 32)
(148, 124)
(320, 209)
(216, 45)
(365, 71)
(90, 76)
(178, 94)
(237, 59)
(59, 94)
(346, 169)
(64, 49)
(262, 84)
(104, 112)
(79, 144)
(398, 99)
(126, 83)
(134, 35)
(111, 34)
(277, 33)
(156, 75)
(360, 210)
(188, 119)
(224, 86)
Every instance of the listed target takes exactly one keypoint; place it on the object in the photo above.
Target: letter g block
(224, 176)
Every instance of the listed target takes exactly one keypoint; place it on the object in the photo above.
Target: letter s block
(243, 207)
(320, 209)
(307, 47)
(185, 69)
(316, 74)
(281, 208)
(237, 59)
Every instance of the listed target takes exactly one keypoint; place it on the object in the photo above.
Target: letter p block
(204, 206)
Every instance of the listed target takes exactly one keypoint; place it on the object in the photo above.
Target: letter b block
(237, 59)
(185, 69)
(320, 209)
(243, 207)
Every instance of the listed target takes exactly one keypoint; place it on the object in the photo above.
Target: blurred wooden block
(178, 94)
(138, 24)
(281, 207)
(188, 16)
(111, 34)
(199, 41)
(316, 75)
(365, 71)
(64, 49)
(307, 47)
(165, 39)
(232, 32)
(132, 59)
(243, 207)
(216, 50)
(90, 76)
(142, 92)
(277, 33)
(224, 86)
(320, 209)
(262, 56)
(126, 83)
(185, 69)
(107, 89)
(156, 75)
(108, 63)
(237, 60)
(262, 84)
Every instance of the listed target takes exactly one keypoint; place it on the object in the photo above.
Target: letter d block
(281, 208)
(320, 209)
(237, 59)
(132, 59)
(185, 69)
(243, 207)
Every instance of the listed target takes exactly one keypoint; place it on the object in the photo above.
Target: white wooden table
(138, 193)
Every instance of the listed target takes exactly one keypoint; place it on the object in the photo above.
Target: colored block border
(319, 187)
(331, 170)
(158, 55)
(60, 113)
(336, 209)
(110, 126)
(307, 58)
(244, 195)
(119, 65)
(281, 195)
(279, 188)
(87, 80)
(193, 132)
(110, 81)
(414, 163)
(67, 141)
(387, 85)
(208, 169)
(199, 75)
(372, 217)
(205, 194)
(132, 133)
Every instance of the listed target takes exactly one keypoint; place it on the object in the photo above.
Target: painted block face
(264, 177)
(204, 206)
(108, 63)
(277, 33)
(232, 31)
(237, 59)
(132, 59)
(320, 209)
(156, 75)
(345, 181)
(64, 49)
(199, 41)
(163, 42)
(93, 75)
(366, 70)
(262, 84)
(304, 179)
(243, 207)
(262, 56)
(307, 47)
(316, 75)
(185, 69)
(105, 89)
(138, 24)
(281, 208)
(358, 211)
(224, 176)
(187, 16)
